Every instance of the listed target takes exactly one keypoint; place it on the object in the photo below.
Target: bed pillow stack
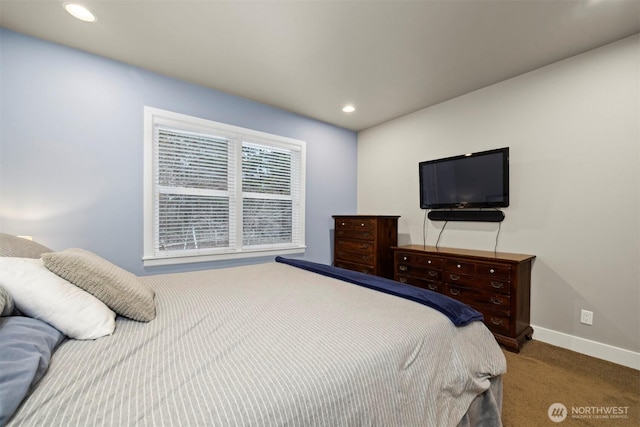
(41, 294)
(75, 291)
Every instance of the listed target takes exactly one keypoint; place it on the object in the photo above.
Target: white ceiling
(388, 58)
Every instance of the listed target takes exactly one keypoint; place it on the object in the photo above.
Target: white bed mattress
(269, 344)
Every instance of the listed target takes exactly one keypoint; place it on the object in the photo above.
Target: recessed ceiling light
(80, 12)
(348, 108)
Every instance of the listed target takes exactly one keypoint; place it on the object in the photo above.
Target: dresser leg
(515, 344)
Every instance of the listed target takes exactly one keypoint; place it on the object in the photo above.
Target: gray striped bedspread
(269, 345)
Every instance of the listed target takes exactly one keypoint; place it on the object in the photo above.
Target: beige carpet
(594, 392)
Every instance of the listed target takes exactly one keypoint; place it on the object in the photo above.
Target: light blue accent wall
(71, 146)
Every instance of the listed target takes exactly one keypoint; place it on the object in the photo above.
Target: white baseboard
(590, 348)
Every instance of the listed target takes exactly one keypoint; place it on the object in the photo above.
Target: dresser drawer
(496, 303)
(432, 285)
(416, 270)
(502, 271)
(355, 224)
(479, 282)
(496, 322)
(360, 257)
(419, 260)
(360, 234)
(362, 268)
(483, 269)
(460, 266)
(363, 246)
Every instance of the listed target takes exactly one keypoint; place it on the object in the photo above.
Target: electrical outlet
(586, 317)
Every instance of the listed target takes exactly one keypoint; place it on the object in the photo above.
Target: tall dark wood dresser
(363, 243)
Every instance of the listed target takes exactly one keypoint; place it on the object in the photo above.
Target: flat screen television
(475, 180)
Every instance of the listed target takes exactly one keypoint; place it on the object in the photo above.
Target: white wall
(573, 129)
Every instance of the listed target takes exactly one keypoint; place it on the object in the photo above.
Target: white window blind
(215, 191)
(195, 191)
(270, 208)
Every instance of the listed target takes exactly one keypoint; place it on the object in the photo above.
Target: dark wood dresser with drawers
(363, 243)
(496, 284)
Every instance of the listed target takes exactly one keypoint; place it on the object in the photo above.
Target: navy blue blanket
(459, 313)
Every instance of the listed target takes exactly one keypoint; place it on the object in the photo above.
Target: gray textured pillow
(6, 302)
(120, 290)
(15, 246)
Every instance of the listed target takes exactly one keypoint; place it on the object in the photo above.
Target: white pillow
(41, 294)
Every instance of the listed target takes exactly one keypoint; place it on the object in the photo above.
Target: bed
(283, 343)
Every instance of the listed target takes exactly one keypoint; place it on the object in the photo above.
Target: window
(215, 191)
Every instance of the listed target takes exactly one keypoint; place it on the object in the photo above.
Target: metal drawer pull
(403, 280)
(362, 225)
(454, 291)
(403, 268)
(432, 273)
(429, 261)
(365, 257)
(366, 234)
(492, 271)
(343, 224)
(454, 277)
(497, 285)
(496, 321)
(496, 301)
(404, 258)
(432, 287)
(459, 266)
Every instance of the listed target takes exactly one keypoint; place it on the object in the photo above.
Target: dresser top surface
(473, 253)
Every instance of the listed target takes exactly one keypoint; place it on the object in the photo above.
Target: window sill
(151, 261)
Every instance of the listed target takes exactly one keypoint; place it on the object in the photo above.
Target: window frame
(155, 116)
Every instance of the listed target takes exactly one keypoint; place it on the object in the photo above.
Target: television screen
(476, 180)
